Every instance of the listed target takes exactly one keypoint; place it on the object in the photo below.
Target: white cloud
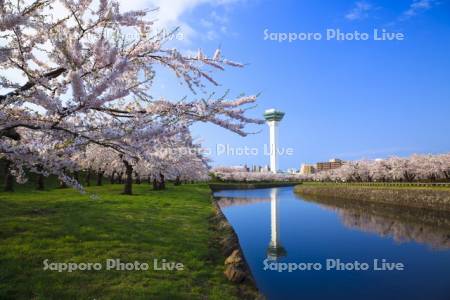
(218, 18)
(224, 29)
(359, 11)
(212, 35)
(170, 13)
(418, 6)
(206, 23)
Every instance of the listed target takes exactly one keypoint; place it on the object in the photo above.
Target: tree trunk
(100, 177)
(128, 187)
(177, 181)
(162, 182)
(113, 180)
(76, 175)
(62, 185)
(408, 176)
(9, 178)
(155, 184)
(40, 182)
(88, 177)
(138, 178)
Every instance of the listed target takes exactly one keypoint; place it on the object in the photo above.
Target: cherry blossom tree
(444, 165)
(173, 157)
(238, 175)
(409, 169)
(36, 150)
(79, 72)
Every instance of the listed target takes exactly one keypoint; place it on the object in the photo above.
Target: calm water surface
(277, 226)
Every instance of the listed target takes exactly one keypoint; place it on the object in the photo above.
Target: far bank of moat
(425, 197)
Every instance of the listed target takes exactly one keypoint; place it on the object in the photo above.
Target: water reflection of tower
(275, 249)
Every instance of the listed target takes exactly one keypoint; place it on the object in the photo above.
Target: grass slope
(381, 185)
(63, 226)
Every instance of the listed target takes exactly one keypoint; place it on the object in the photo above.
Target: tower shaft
(273, 133)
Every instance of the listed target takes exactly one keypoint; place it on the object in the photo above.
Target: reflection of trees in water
(399, 231)
(231, 201)
(401, 223)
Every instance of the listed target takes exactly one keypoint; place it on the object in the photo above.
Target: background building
(306, 169)
(331, 164)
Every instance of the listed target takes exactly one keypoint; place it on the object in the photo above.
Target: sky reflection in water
(279, 225)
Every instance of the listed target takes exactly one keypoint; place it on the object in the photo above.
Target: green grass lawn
(62, 225)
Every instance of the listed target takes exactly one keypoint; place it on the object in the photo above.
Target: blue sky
(346, 99)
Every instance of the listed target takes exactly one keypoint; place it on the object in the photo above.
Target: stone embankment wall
(236, 267)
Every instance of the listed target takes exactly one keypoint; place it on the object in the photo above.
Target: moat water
(320, 248)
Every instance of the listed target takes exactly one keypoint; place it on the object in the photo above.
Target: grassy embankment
(425, 196)
(381, 185)
(64, 226)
